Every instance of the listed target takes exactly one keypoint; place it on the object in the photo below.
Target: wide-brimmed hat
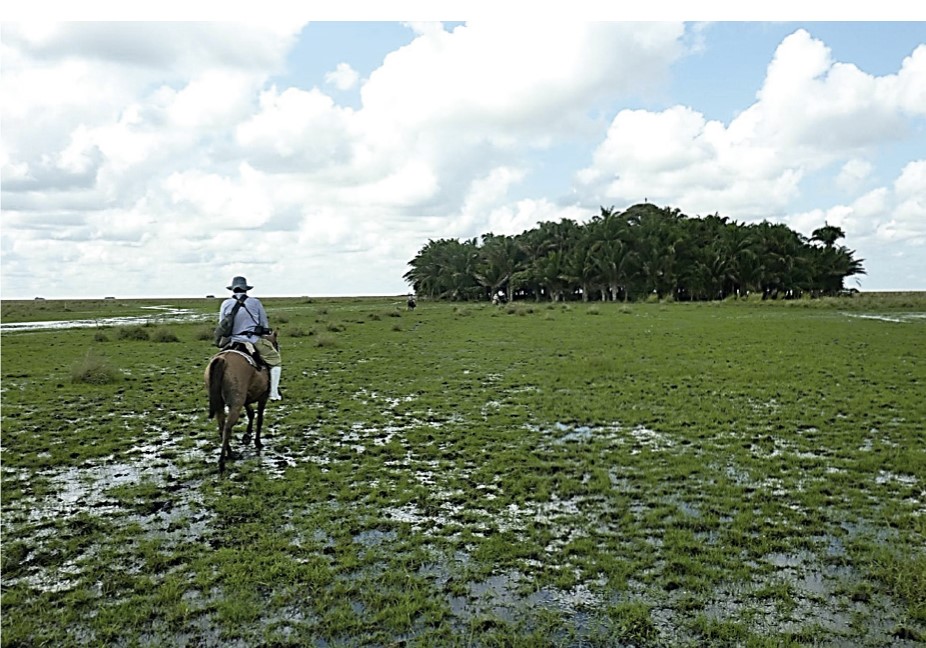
(240, 282)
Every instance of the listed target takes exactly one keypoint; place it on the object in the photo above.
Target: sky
(316, 157)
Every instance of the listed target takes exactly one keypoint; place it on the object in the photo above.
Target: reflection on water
(898, 318)
(164, 314)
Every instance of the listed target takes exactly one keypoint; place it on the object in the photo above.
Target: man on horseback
(250, 329)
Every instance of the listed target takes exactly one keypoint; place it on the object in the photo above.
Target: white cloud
(526, 214)
(678, 157)
(409, 184)
(425, 27)
(80, 153)
(810, 113)
(166, 149)
(488, 191)
(912, 180)
(344, 77)
(176, 48)
(895, 214)
(909, 217)
(12, 170)
(852, 174)
(859, 219)
(222, 202)
(820, 108)
(298, 130)
(216, 98)
(498, 76)
(908, 89)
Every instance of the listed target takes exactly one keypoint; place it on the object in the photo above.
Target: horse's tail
(216, 371)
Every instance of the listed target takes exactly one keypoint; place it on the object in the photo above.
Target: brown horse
(233, 382)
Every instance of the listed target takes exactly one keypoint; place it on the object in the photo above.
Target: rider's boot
(275, 383)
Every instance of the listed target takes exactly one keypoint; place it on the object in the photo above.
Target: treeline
(631, 255)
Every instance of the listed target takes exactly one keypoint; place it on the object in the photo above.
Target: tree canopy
(645, 250)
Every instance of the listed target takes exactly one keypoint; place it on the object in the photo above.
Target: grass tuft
(139, 333)
(325, 340)
(633, 622)
(164, 335)
(94, 369)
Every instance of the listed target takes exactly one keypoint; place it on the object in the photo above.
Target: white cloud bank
(161, 159)
(809, 114)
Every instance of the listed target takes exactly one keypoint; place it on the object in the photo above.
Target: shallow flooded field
(742, 474)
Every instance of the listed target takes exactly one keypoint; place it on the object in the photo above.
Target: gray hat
(241, 283)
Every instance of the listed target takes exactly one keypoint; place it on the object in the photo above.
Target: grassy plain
(748, 474)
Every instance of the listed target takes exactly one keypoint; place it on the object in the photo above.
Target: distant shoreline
(217, 297)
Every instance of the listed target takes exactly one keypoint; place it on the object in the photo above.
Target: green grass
(745, 473)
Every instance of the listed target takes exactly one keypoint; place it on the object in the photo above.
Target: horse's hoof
(246, 439)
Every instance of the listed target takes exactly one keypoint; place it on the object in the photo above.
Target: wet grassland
(742, 474)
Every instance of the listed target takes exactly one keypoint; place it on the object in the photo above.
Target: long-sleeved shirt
(250, 315)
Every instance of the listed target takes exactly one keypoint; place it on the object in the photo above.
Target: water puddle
(142, 487)
(797, 592)
(149, 487)
(615, 433)
(163, 315)
(509, 596)
(896, 318)
(886, 477)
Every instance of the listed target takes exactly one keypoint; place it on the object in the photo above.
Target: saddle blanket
(243, 355)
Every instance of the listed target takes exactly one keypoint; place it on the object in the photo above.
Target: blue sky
(160, 159)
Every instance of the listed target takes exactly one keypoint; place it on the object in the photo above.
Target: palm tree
(660, 241)
(532, 246)
(741, 270)
(828, 235)
(831, 265)
(499, 258)
(424, 273)
(646, 248)
(784, 266)
(444, 269)
(580, 268)
(610, 253)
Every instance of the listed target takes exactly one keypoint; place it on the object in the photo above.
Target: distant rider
(251, 325)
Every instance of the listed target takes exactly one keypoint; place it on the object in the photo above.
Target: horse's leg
(220, 419)
(232, 418)
(215, 374)
(261, 404)
(246, 439)
(222, 455)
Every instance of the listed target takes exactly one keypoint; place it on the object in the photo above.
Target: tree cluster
(631, 255)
